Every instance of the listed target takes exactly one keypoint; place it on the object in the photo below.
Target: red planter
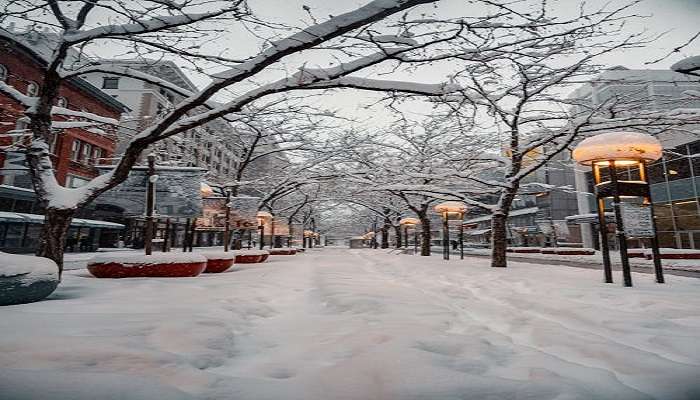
(549, 251)
(282, 252)
(151, 270)
(215, 266)
(525, 250)
(676, 256)
(249, 259)
(575, 252)
(264, 257)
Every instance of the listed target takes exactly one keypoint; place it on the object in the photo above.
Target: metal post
(405, 236)
(150, 203)
(227, 223)
(250, 239)
(262, 235)
(603, 228)
(272, 232)
(415, 240)
(658, 269)
(620, 228)
(445, 238)
(186, 239)
(193, 232)
(461, 240)
(166, 236)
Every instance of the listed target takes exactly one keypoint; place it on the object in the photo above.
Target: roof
(40, 45)
(164, 69)
(7, 216)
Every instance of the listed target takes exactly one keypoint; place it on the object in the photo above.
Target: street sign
(637, 220)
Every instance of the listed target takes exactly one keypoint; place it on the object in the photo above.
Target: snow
(218, 255)
(250, 252)
(687, 64)
(32, 268)
(357, 324)
(143, 259)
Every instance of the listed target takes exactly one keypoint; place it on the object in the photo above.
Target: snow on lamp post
(688, 66)
(262, 217)
(410, 222)
(451, 210)
(628, 150)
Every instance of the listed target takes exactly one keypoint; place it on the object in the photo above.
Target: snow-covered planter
(25, 279)
(548, 250)
(636, 253)
(218, 261)
(160, 265)
(288, 251)
(526, 249)
(251, 256)
(574, 251)
(675, 254)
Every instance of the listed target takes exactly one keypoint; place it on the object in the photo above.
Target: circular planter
(26, 279)
(218, 262)
(251, 256)
(526, 249)
(164, 265)
(549, 250)
(283, 252)
(575, 252)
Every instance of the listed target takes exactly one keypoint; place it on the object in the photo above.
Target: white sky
(678, 19)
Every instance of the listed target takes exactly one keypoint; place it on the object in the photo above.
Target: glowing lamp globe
(263, 216)
(308, 233)
(205, 190)
(409, 221)
(622, 147)
(451, 209)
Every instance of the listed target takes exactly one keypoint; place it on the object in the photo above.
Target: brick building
(74, 150)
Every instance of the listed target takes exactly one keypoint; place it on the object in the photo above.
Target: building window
(32, 89)
(110, 82)
(73, 181)
(97, 153)
(75, 150)
(3, 73)
(87, 152)
(62, 102)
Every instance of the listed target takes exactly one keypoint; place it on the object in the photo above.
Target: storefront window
(678, 168)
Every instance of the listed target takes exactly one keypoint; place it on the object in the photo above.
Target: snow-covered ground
(357, 324)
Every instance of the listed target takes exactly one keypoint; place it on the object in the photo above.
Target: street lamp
(410, 222)
(451, 210)
(227, 226)
(262, 217)
(623, 149)
(688, 66)
(307, 238)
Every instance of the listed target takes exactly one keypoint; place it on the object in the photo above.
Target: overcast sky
(677, 19)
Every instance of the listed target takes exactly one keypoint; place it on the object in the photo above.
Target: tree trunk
(385, 237)
(52, 240)
(499, 240)
(399, 236)
(425, 236)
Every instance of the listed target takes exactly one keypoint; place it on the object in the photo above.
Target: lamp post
(150, 203)
(262, 217)
(227, 223)
(611, 151)
(451, 210)
(307, 238)
(410, 222)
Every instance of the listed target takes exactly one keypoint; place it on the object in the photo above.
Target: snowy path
(358, 324)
